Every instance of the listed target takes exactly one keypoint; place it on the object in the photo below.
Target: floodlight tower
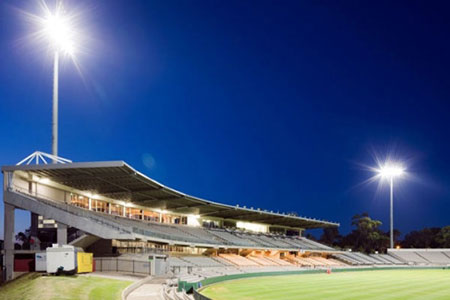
(58, 30)
(390, 171)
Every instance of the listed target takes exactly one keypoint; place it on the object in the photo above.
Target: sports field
(36, 287)
(384, 284)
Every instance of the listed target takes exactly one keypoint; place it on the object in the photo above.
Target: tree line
(367, 237)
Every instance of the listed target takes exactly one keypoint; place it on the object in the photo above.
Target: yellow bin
(85, 262)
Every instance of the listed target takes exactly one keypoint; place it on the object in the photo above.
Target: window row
(129, 212)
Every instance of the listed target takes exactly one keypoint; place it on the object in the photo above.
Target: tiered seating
(202, 261)
(312, 261)
(241, 238)
(325, 262)
(158, 230)
(299, 261)
(259, 240)
(297, 242)
(359, 258)
(176, 262)
(409, 257)
(285, 242)
(392, 259)
(366, 259)
(217, 236)
(292, 242)
(435, 257)
(381, 259)
(208, 272)
(261, 260)
(239, 260)
(273, 241)
(230, 238)
(396, 257)
(422, 256)
(222, 260)
(173, 231)
(314, 245)
(345, 257)
(337, 262)
(202, 234)
(278, 261)
(304, 243)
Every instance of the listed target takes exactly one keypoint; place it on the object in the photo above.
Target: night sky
(273, 104)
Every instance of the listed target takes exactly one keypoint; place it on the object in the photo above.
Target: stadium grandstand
(120, 215)
(118, 210)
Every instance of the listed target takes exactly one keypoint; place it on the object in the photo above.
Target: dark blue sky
(251, 102)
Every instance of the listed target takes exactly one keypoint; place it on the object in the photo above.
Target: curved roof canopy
(117, 180)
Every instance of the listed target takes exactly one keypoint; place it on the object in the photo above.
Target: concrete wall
(47, 192)
(161, 266)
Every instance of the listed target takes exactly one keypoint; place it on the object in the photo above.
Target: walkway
(149, 291)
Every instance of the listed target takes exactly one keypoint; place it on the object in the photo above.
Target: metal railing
(115, 264)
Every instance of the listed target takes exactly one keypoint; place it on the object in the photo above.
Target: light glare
(59, 32)
(390, 171)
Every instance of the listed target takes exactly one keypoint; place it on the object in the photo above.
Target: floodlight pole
(55, 106)
(392, 212)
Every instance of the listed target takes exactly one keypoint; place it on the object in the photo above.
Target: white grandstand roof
(118, 180)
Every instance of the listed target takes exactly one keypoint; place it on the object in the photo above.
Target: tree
(309, 236)
(367, 236)
(425, 238)
(443, 237)
(331, 236)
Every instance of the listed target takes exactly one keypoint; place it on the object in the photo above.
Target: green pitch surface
(36, 287)
(384, 284)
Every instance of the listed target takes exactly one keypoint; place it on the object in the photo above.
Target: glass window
(151, 216)
(100, 206)
(116, 209)
(79, 201)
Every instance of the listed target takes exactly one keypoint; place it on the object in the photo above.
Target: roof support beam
(218, 211)
(191, 206)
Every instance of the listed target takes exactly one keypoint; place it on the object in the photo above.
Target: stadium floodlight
(390, 171)
(59, 32)
(58, 29)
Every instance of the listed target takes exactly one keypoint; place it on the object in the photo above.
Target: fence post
(117, 264)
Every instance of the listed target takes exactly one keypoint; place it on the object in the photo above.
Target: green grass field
(384, 284)
(36, 287)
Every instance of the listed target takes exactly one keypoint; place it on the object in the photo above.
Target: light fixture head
(391, 171)
(59, 32)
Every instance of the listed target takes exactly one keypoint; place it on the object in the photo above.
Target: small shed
(62, 257)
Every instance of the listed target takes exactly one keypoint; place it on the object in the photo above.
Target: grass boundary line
(214, 280)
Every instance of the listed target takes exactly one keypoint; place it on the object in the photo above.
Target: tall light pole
(60, 34)
(390, 171)
(55, 106)
(391, 244)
